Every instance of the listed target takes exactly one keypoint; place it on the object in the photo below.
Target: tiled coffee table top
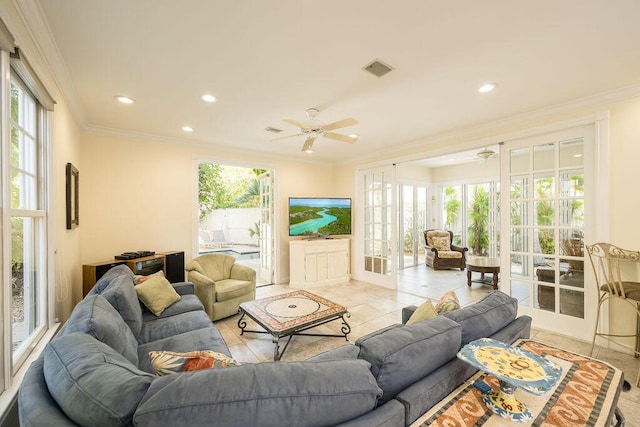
(288, 311)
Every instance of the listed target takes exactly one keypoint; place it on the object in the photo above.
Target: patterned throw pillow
(168, 362)
(447, 302)
(425, 311)
(441, 243)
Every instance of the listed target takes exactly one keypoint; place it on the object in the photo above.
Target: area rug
(585, 395)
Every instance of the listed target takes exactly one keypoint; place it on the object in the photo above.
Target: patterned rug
(586, 395)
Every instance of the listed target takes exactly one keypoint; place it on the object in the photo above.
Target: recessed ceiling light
(125, 99)
(208, 98)
(577, 155)
(354, 135)
(187, 128)
(487, 87)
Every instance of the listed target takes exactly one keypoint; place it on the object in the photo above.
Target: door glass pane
(544, 157)
(571, 153)
(519, 160)
(572, 303)
(452, 205)
(546, 298)
(478, 219)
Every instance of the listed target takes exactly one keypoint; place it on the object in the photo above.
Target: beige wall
(140, 194)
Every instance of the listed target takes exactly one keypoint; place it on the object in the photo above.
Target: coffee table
(291, 314)
(515, 368)
(484, 265)
(586, 395)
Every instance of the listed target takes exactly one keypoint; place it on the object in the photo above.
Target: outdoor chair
(441, 253)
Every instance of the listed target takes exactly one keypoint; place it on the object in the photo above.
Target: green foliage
(340, 226)
(255, 230)
(223, 187)
(479, 221)
(452, 206)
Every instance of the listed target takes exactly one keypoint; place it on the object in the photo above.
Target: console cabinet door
(338, 264)
(311, 267)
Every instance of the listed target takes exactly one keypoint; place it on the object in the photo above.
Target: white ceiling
(268, 60)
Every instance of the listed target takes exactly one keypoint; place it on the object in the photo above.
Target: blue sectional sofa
(97, 370)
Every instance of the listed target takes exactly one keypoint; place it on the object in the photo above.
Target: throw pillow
(425, 311)
(156, 293)
(441, 243)
(447, 302)
(168, 362)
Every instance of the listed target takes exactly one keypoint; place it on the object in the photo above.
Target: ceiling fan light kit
(486, 153)
(314, 128)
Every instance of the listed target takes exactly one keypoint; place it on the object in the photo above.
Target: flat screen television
(318, 216)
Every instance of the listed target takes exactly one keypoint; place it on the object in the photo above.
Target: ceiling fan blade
(340, 124)
(308, 145)
(285, 137)
(294, 122)
(339, 137)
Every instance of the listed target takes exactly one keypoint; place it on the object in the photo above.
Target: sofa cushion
(123, 297)
(264, 394)
(187, 303)
(403, 355)
(200, 339)
(92, 383)
(107, 277)
(96, 317)
(156, 293)
(229, 289)
(162, 327)
(485, 317)
(170, 362)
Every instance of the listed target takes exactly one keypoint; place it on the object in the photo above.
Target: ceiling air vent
(378, 68)
(272, 130)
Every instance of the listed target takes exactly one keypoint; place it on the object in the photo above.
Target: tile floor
(373, 307)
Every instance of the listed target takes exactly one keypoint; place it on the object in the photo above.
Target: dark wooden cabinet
(171, 263)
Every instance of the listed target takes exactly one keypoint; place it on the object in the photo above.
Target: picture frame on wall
(73, 204)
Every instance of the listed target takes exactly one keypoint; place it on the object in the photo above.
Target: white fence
(234, 223)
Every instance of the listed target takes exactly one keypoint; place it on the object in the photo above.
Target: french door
(547, 213)
(376, 244)
(267, 237)
(412, 221)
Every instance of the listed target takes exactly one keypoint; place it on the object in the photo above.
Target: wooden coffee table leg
(468, 277)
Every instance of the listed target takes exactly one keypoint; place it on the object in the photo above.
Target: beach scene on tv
(314, 216)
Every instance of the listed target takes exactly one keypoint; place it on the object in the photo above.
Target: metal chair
(612, 266)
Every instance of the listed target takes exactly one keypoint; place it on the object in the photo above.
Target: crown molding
(198, 144)
(496, 126)
(42, 37)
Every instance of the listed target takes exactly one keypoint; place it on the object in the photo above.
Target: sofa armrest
(242, 272)
(183, 288)
(407, 312)
(458, 248)
(430, 248)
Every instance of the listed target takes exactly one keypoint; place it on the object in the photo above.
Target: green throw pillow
(447, 302)
(156, 293)
(425, 311)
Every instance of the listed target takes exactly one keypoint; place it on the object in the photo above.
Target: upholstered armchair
(221, 284)
(441, 253)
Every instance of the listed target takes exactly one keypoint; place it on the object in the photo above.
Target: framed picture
(73, 185)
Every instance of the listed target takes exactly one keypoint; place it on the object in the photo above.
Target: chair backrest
(430, 234)
(214, 266)
(612, 266)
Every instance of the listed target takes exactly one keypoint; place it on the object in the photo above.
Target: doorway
(236, 216)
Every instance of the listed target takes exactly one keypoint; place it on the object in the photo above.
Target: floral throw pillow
(169, 362)
(447, 302)
(441, 243)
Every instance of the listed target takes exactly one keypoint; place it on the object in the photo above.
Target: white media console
(319, 262)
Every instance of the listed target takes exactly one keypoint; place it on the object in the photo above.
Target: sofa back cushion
(107, 277)
(486, 317)
(91, 382)
(122, 295)
(402, 355)
(264, 394)
(96, 317)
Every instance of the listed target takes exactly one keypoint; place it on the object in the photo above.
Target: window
(28, 221)
(24, 203)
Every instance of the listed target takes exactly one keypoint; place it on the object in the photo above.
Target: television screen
(312, 216)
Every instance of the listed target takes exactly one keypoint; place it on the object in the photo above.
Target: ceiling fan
(314, 128)
(485, 153)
